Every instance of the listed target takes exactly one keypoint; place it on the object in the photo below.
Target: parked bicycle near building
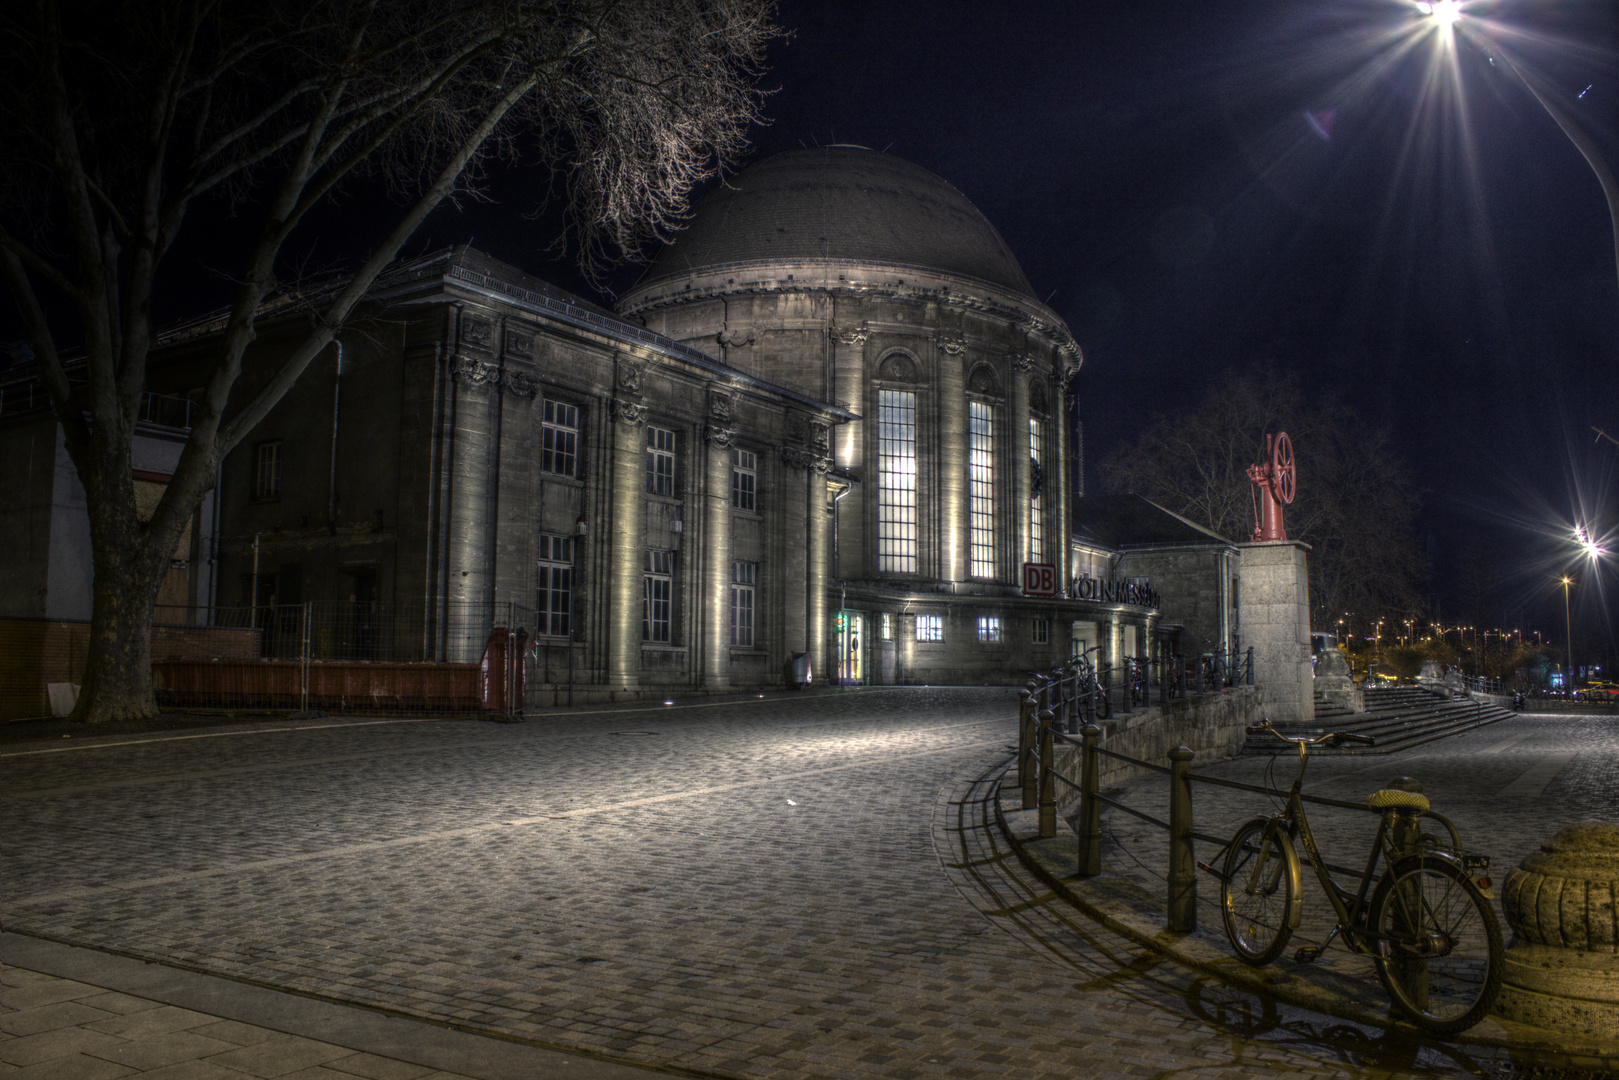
(1427, 922)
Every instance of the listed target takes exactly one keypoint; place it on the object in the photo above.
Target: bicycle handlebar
(1330, 737)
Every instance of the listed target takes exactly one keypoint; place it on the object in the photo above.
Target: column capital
(626, 411)
(719, 437)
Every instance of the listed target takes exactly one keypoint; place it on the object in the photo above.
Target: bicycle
(1428, 925)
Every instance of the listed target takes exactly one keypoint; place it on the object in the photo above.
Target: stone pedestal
(1562, 969)
(1274, 609)
(1333, 683)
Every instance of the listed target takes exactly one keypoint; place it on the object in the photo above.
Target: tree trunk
(129, 566)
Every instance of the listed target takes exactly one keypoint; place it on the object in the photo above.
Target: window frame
(898, 464)
(1040, 631)
(744, 604)
(745, 480)
(930, 629)
(268, 452)
(982, 558)
(658, 451)
(658, 576)
(553, 602)
(990, 630)
(552, 431)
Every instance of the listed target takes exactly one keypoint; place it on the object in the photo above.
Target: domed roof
(843, 203)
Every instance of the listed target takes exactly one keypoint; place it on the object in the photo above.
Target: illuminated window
(267, 470)
(744, 575)
(1037, 514)
(981, 489)
(1042, 631)
(559, 439)
(660, 461)
(989, 628)
(744, 480)
(896, 481)
(659, 589)
(888, 626)
(930, 628)
(553, 599)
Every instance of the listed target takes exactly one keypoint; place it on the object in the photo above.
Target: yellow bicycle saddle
(1390, 799)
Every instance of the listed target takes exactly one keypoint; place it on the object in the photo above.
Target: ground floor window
(553, 596)
(744, 579)
(656, 606)
(989, 628)
(1042, 631)
(930, 628)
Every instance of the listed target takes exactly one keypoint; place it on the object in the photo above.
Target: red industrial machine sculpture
(1273, 487)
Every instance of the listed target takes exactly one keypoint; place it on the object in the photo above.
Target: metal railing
(1180, 875)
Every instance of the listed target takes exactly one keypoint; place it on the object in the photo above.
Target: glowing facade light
(1443, 12)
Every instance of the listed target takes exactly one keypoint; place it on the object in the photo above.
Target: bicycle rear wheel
(1440, 955)
(1260, 892)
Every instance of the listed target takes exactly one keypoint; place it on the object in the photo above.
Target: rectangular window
(553, 596)
(744, 576)
(1037, 514)
(989, 628)
(744, 480)
(660, 461)
(981, 489)
(888, 626)
(559, 439)
(930, 628)
(896, 481)
(267, 470)
(657, 598)
(1042, 631)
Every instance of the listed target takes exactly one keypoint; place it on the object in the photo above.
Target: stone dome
(845, 204)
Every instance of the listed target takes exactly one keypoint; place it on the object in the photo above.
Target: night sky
(1195, 186)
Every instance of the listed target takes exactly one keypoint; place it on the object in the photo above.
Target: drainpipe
(337, 400)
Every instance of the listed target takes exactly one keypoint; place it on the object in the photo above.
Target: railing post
(1090, 809)
(1182, 870)
(1025, 745)
(1048, 783)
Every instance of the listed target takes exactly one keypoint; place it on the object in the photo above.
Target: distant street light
(1568, 626)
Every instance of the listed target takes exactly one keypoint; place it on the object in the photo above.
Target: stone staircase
(1398, 717)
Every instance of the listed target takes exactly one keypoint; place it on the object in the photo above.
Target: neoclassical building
(831, 423)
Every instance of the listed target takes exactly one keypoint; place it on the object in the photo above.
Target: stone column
(472, 489)
(1274, 611)
(819, 508)
(951, 515)
(1058, 479)
(714, 600)
(627, 551)
(847, 447)
(1018, 458)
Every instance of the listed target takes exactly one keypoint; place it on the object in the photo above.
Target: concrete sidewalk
(1468, 774)
(68, 1013)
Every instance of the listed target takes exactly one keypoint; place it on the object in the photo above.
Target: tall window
(896, 481)
(659, 589)
(267, 470)
(1042, 631)
(744, 480)
(559, 439)
(553, 599)
(660, 461)
(981, 489)
(1037, 513)
(744, 575)
(930, 628)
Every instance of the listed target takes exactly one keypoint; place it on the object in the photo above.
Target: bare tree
(1356, 502)
(119, 117)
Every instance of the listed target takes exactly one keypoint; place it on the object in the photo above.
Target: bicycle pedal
(1309, 954)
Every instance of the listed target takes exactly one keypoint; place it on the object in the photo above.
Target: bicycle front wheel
(1260, 895)
(1439, 952)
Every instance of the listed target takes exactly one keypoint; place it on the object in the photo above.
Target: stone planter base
(1561, 989)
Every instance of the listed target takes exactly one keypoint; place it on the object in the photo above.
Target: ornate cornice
(625, 411)
(796, 457)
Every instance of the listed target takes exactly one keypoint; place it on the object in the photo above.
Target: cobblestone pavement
(1508, 787)
(804, 886)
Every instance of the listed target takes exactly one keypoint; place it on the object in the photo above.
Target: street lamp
(1568, 626)
(1447, 19)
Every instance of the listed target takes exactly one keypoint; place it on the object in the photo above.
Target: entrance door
(851, 672)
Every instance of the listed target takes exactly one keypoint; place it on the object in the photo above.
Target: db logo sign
(1039, 579)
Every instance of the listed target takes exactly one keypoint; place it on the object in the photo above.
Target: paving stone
(654, 897)
(73, 1067)
(155, 1051)
(49, 1017)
